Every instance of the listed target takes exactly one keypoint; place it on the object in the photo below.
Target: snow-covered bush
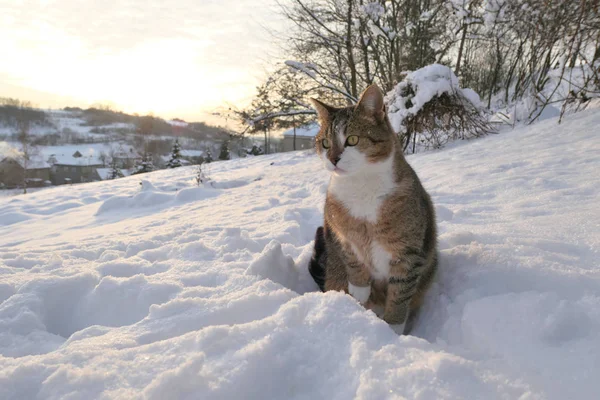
(429, 108)
(563, 91)
(255, 151)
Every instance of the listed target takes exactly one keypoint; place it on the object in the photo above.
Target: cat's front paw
(360, 293)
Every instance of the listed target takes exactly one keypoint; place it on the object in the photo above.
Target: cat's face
(353, 139)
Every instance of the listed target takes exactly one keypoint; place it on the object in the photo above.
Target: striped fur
(379, 237)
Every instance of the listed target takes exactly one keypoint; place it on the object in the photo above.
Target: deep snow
(163, 290)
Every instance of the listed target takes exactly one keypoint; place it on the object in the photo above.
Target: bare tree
(531, 48)
(344, 46)
(531, 52)
(280, 102)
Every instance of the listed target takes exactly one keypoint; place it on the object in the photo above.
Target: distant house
(12, 172)
(74, 168)
(125, 158)
(305, 137)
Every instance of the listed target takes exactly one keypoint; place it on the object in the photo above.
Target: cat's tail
(316, 267)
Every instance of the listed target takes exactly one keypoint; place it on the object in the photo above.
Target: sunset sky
(178, 58)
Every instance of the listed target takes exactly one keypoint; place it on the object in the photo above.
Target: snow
(10, 152)
(373, 10)
(472, 96)
(167, 290)
(558, 87)
(492, 11)
(124, 152)
(309, 130)
(306, 68)
(105, 173)
(177, 122)
(75, 122)
(33, 163)
(91, 153)
(191, 153)
(427, 83)
(61, 121)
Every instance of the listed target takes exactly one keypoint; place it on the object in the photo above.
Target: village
(73, 164)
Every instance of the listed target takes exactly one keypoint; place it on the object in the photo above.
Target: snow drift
(165, 290)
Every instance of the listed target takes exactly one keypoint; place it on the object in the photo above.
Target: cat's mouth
(329, 166)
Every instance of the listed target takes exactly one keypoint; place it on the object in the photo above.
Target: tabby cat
(378, 242)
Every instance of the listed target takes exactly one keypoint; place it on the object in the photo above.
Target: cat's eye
(352, 140)
(326, 144)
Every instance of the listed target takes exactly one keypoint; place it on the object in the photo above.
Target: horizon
(185, 61)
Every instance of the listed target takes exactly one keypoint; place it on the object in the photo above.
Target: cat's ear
(371, 103)
(323, 110)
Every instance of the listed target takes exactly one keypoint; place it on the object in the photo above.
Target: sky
(177, 58)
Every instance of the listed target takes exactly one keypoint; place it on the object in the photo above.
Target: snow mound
(274, 265)
(150, 197)
(169, 290)
(419, 87)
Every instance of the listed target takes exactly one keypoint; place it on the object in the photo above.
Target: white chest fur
(362, 193)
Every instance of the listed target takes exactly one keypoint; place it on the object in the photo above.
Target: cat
(378, 242)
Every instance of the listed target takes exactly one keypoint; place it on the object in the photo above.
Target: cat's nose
(335, 160)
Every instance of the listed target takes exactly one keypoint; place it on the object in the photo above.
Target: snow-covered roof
(309, 130)
(191, 153)
(91, 154)
(37, 163)
(34, 163)
(75, 159)
(125, 153)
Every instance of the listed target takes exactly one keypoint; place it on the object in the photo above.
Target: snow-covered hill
(169, 291)
(59, 121)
